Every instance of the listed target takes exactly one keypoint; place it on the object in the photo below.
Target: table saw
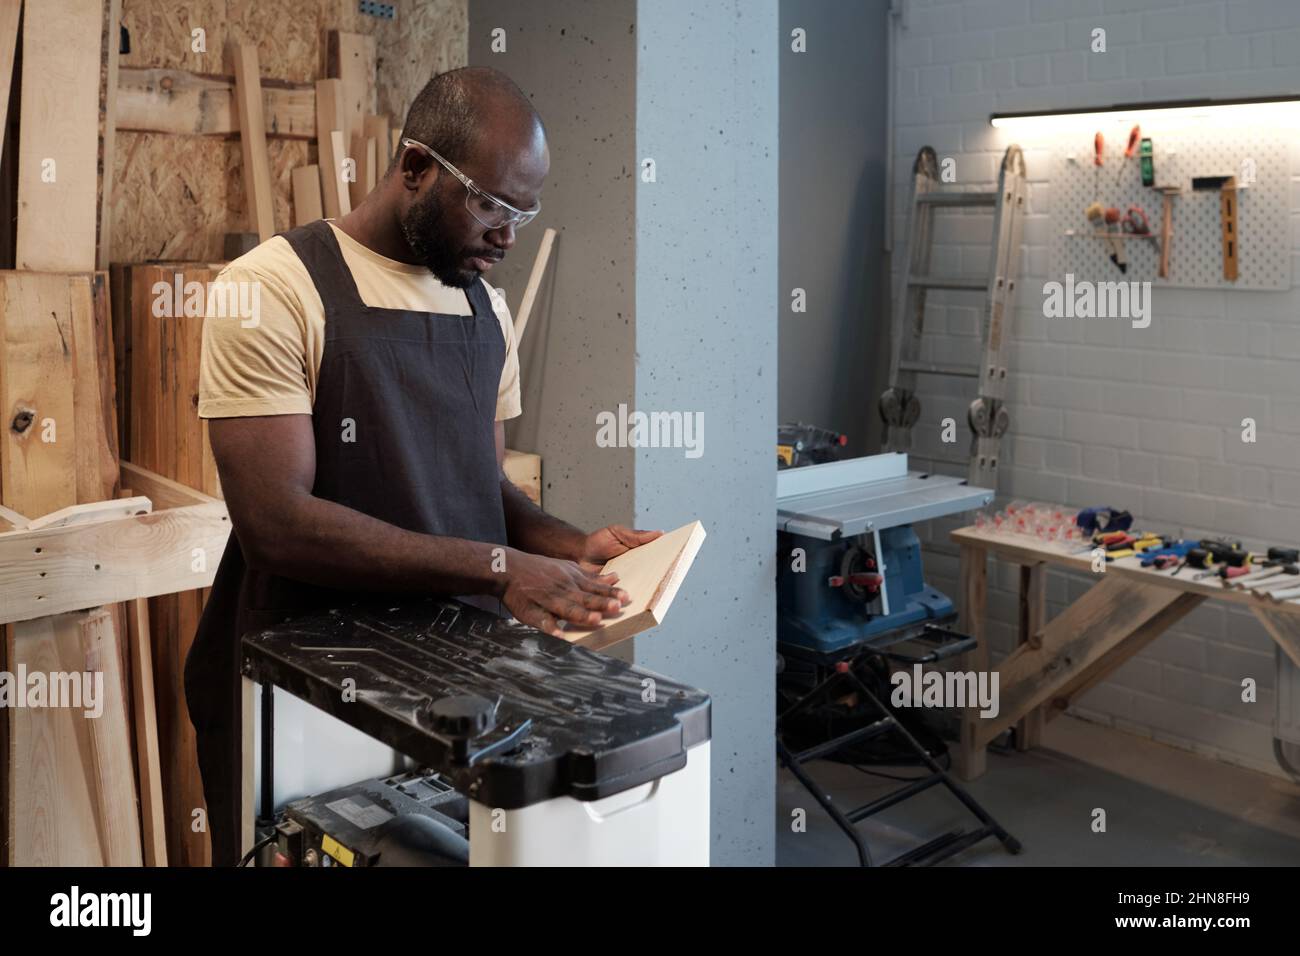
(849, 563)
(850, 591)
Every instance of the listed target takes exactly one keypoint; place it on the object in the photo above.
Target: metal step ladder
(899, 406)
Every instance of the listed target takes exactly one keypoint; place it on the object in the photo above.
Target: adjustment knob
(465, 715)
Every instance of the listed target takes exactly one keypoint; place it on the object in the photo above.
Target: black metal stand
(934, 851)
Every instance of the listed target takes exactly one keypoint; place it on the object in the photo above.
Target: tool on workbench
(1228, 555)
(1121, 553)
(1227, 552)
(1210, 552)
(1133, 135)
(1146, 160)
(1104, 540)
(1276, 592)
(1113, 542)
(1278, 561)
(987, 414)
(1121, 543)
(1103, 520)
(1098, 146)
(1280, 596)
(1197, 557)
(1225, 572)
(1136, 545)
(1174, 549)
(1268, 574)
(1227, 187)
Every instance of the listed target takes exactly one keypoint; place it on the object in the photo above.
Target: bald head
(458, 109)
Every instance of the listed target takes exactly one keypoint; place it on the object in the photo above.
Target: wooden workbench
(1058, 660)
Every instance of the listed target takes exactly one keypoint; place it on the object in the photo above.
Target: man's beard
(422, 228)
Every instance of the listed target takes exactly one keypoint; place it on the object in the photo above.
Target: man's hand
(610, 542)
(541, 592)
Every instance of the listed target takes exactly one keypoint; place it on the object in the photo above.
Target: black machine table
(527, 726)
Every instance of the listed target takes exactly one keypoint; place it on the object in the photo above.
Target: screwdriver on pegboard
(1134, 135)
(1099, 154)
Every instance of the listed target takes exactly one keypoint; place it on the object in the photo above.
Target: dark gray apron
(416, 391)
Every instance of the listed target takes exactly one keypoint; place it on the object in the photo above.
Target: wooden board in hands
(651, 574)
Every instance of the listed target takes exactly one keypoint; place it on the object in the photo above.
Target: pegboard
(1196, 253)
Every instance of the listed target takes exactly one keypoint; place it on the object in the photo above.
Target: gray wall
(706, 305)
(574, 59)
(833, 358)
(686, 323)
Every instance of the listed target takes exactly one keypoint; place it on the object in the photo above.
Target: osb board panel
(287, 35)
(177, 196)
(424, 39)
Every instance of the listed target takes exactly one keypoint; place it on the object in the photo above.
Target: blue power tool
(1167, 556)
(849, 564)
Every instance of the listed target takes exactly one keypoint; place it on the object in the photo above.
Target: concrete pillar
(706, 324)
(664, 299)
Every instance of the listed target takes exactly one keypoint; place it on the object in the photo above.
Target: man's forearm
(328, 544)
(529, 528)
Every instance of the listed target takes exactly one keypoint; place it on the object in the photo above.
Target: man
(356, 420)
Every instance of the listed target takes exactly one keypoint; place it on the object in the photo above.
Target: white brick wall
(1102, 413)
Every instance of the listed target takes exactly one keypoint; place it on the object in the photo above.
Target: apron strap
(480, 301)
(318, 248)
(319, 251)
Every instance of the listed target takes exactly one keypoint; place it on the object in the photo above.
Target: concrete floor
(1164, 807)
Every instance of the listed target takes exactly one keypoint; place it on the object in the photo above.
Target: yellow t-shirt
(269, 365)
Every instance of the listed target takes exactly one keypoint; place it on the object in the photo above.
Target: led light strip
(1272, 111)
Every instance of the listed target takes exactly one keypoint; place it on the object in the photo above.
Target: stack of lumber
(158, 375)
(69, 781)
(354, 143)
(69, 786)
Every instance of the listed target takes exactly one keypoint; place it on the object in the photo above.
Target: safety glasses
(489, 211)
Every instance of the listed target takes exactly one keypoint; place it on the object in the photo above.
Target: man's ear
(413, 166)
